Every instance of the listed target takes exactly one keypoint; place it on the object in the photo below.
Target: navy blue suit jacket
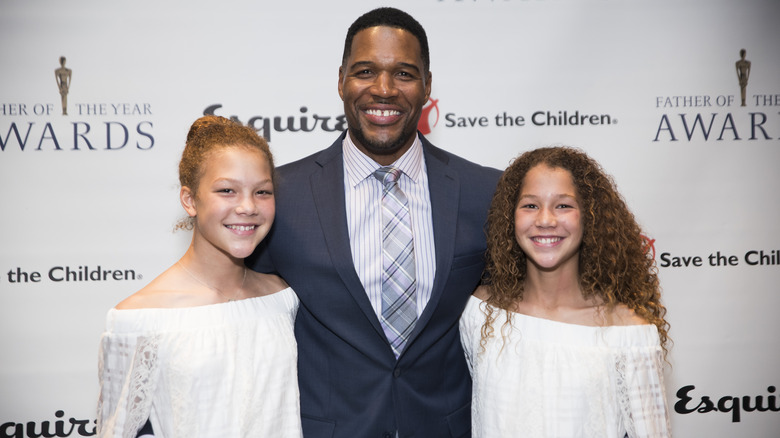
(351, 384)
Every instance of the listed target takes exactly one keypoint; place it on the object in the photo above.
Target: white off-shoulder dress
(545, 378)
(217, 370)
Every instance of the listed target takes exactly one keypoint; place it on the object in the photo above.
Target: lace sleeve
(127, 369)
(641, 393)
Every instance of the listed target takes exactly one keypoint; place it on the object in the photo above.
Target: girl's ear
(187, 199)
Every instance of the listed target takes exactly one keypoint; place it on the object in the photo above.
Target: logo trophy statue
(743, 72)
(62, 75)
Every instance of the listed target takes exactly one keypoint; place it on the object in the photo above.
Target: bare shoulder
(622, 315)
(482, 292)
(151, 297)
(265, 284)
(165, 291)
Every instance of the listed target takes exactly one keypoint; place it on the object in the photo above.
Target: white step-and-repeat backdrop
(649, 88)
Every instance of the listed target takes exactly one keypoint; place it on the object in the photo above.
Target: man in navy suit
(327, 244)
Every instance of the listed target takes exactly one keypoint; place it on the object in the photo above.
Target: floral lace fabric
(544, 378)
(133, 405)
(220, 370)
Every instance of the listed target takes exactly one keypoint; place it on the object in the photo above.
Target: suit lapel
(327, 186)
(444, 187)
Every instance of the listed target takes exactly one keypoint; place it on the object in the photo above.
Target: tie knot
(388, 175)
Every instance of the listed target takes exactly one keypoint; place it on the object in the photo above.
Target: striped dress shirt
(363, 194)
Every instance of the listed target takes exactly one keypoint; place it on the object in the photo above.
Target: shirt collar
(359, 167)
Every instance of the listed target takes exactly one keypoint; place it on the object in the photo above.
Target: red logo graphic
(649, 245)
(423, 125)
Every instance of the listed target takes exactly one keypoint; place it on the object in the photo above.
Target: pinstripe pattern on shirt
(363, 196)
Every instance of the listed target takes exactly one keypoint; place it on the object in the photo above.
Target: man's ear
(428, 85)
(341, 78)
(187, 198)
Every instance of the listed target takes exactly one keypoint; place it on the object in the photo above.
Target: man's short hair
(390, 17)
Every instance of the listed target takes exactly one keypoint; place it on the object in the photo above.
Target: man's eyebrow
(358, 64)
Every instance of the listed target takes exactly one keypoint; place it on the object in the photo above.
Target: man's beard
(383, 147)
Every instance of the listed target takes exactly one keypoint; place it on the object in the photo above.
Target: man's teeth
(382, 113)
(242, 227)
(545, 240)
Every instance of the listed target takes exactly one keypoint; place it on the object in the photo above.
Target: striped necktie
(399, 298)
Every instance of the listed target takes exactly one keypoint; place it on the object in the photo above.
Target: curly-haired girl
(566, 336)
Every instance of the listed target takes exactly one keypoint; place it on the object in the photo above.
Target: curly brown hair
(206, 135)
(614, 262)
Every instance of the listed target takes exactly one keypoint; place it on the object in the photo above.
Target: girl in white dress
(207, 348)
(567, 337)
